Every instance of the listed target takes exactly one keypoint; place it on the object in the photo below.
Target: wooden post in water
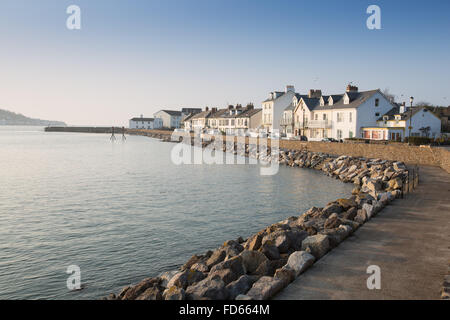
(113, 137)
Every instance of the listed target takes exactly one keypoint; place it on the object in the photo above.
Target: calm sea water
(123, 211)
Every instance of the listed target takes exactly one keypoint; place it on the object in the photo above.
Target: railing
(286, 122)
(321, 124)
(315, 124)
(411, 181)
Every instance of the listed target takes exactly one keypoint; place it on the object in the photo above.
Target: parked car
(329, 140)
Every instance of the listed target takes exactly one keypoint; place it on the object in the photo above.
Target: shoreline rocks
(259, 267)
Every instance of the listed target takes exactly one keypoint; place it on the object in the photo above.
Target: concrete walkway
(409, 240)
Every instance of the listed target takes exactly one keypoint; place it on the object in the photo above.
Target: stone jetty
(260, 266)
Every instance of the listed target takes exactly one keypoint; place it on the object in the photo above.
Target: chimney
(351, 88)
(230, 107)
(315, 93)
(250, 106)
(402, 107)
(206, 109)
(290, 88)
(213, 110)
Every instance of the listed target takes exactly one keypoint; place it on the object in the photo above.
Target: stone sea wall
(260, 266)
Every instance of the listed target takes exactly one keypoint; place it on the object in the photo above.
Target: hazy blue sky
(135, 57)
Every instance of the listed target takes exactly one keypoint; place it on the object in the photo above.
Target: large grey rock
(332, 208)
(174, 293)
(243, 297)
(240, 286)
(264, 269)
(368, 209)
(252, 260)
(279, 239)
(350, 214)
(337, 235)
(133, 292)
(166, 276)
(186, 278)
(361, 216)
(374, 185)
(270, 251)
(285, 274)
(152, 293)
(217, 256)
(199, 266)
(395, 183)
(254, 242)
(229, 270)
(265, 288)
(212, 288)
(296, 237)
(318, 245)
(299, 261)
(332, 221)
(191, 261)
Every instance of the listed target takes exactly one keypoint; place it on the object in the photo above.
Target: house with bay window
(339, 116)
(394, 125)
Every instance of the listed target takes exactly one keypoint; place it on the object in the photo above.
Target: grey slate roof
(356, 99)
(404, 116)
(142, 119)
(172, 112)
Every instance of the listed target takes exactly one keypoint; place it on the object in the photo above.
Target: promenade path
(409, 240)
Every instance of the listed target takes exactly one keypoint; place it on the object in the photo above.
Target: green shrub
(417, 141)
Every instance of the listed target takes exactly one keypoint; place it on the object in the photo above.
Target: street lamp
(411, 99)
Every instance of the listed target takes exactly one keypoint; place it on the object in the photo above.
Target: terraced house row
(352, 114)
(232, 120)
(314, 116)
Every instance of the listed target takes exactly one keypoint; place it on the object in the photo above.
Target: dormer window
(330, 101)
(346, 100)
(385, 118)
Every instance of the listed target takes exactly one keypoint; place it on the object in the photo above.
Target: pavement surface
(409, 240)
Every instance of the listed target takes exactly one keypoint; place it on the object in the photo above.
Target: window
(324, 116)
(316, 117)
(339, 134)
(350, 116)
(377, 102)
(377, 114)
(350, 134)
(340, 117)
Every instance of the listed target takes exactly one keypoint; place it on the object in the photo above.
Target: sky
(139, 56)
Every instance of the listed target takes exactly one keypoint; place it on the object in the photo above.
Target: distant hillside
(8, 118)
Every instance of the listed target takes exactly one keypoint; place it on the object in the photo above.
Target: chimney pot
(351, 88)
(315, 93)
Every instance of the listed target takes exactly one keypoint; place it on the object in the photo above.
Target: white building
(145, 123)
(170, 119)
(339, 116)
(273, 107)
(232, 120)
(394, 125)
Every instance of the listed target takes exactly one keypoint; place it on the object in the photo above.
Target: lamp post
(411, 99)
